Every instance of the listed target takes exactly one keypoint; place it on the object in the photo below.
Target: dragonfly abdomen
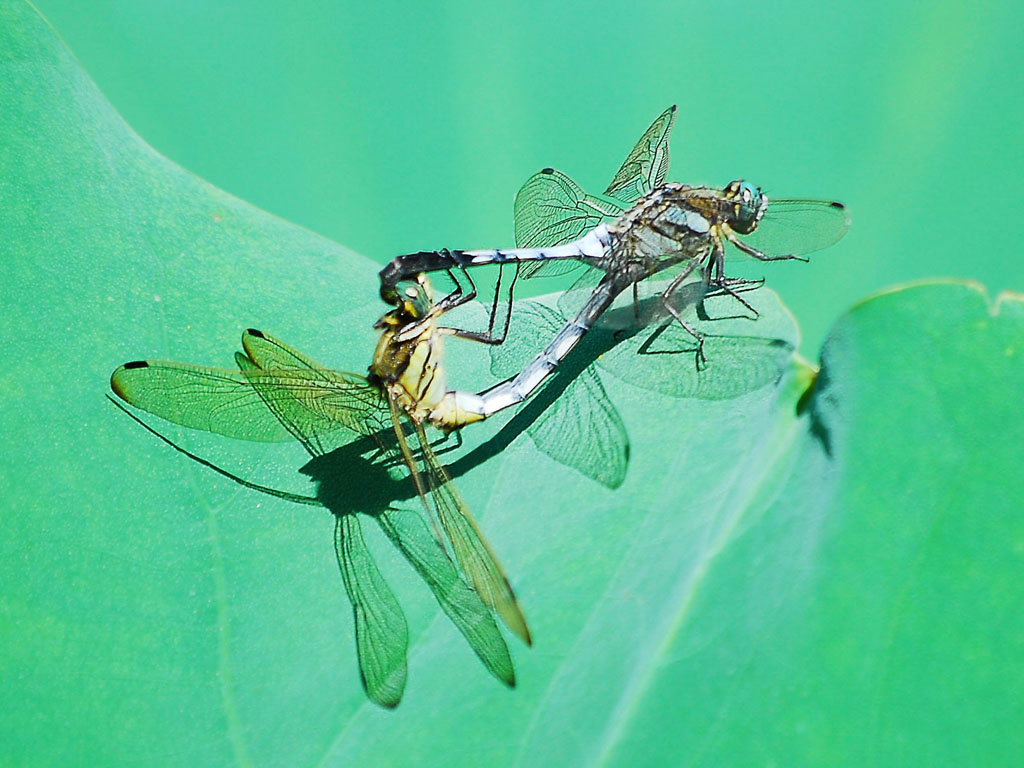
(592, 246)
(522, 385)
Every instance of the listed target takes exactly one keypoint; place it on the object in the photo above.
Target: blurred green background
(391, 127)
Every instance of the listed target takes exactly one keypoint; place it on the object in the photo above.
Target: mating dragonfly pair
(641, 227)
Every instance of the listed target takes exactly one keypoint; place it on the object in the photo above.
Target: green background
(834, 583)
(396, 126)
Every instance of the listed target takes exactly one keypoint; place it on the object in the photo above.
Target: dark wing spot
(834, 204)
(254, 332)
(135, 364)
(547, 170)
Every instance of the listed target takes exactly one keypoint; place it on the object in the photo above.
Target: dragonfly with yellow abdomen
(277, 393)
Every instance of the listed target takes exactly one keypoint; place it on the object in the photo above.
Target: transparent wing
(798, 227)
(318, 393)
(647, 163)
(472, 552)
(267, 352)
(320, 408)
(584, 431)
(552, 209)
(576, 295)
(741, 356)
(382, 635)
(581, 428)
(214, 400)
(460, 602)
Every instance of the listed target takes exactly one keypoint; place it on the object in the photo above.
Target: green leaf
(784, 577)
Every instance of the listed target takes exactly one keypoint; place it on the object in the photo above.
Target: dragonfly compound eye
(415, 299)
(748, 207)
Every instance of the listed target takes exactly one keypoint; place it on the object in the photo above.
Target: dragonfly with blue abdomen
(277, 393)
(641, 227)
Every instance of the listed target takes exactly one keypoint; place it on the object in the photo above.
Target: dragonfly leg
(760, 255)
(494, 302)
(457, 298)
(489, 336)
(726, 286)
(667, 304)
(702, 359)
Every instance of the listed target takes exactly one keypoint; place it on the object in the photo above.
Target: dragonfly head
(746, 206)
(414, 298)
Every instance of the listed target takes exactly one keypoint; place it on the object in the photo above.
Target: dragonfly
(277, 393)
(640, 227)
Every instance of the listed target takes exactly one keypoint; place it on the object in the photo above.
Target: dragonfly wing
(581, 428)
(552, 209)
(646, 166)
(798, 227)
(214, 400)
(472, 552)
(321, 413)
(382, 635)
(311, 402)
(658, 355)
(459, 601)
(268, 352)
(252, 403)
(576, 295)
